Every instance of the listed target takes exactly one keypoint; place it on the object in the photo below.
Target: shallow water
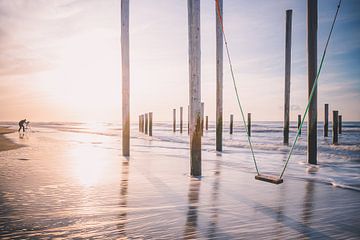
(72, 182)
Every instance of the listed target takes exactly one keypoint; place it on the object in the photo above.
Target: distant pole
(312, 25)
(219, 76)
(125, 77)
(299, 123)
(207, 123)
(249, 124)
(287, 75)
(143, 123)
(335, 127)
(174, 120)
(139, 123)
(146, 123)
(202, 118)
(181, 119)
(326, 120)
(340, 124)
(150, 123)
(194, 86)
(231, 123)
(188, 128)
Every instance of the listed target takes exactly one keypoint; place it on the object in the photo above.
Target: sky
(60, 60)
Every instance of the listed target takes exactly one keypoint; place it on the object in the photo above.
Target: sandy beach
(70, 181)
(5, 143)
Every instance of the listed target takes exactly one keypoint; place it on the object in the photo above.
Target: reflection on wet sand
(192, 213)
(308, 207)
(123, 198)
(212, 229)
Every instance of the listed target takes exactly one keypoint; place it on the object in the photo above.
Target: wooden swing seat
(270, 179)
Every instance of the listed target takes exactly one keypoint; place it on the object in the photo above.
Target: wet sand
(72, 185)
(5, 143)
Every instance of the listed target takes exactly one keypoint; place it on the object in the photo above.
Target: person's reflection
(192, 213)
(214, 202)
(308, 203)
(123, 197)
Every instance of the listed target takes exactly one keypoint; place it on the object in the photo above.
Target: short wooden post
(340, 124)
(146, 123)
(139, 123)
(202, 118)
(207, 123)
(219, 74)
(287, 76)
(231, 123)
(142, 123)
(125, 61)
(249, 124)
(174, 120)
(335, 137)
(181, 119)
(150, 123)
(326, 120)
(194, 86)
(299, 124)
(312, 26)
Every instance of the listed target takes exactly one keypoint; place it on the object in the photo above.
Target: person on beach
(22, 125)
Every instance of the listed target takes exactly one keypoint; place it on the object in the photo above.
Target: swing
(263, 177)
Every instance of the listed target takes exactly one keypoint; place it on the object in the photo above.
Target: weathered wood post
(188, 120)
(340, 124)
(194, 86)
(219, 74)
(335, 127)
(206, 122)
(287, 75)
(326, 120)
(312, 25)
(249, 124)
(150, 123)
(174, 120)
(139, 123)
(125, 77)
(181, 119)
(146, 123)
(202, 118)
(231, 123)
(299, 123)
(142, 123)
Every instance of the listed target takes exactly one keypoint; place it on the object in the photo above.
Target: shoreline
(5, 143)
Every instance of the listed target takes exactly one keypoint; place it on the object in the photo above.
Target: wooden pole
(231, 123)
(312, 25)
(335, 127)
(139, 123)
(202, 118)
(188, 120)
(150, 123)
(125, 61)
(207, 123)
(287, 75)
(174, 120)
(194, 86)
(340, 124)
(219, 76)
(142, 123)
(299, 123)
(146, 123)
(326, 120)
(181, 119)
(249, 124)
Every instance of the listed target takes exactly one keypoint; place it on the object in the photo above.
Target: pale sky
(60, 59)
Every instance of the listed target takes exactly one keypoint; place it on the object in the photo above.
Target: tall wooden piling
(326, 120)
(249, 124)
(335, 136)
(340, 124)
(202, 118)
(219, 74)
(287, 75)
(312, 25)
(231, 123)
(174, 120)
(299, 124)
(146, 123)
(150, 123)
(181, 119)
(125, 77)
(206, 123)
(188, 128)
(194, 86)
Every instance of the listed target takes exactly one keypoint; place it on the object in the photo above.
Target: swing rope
(310, 97)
